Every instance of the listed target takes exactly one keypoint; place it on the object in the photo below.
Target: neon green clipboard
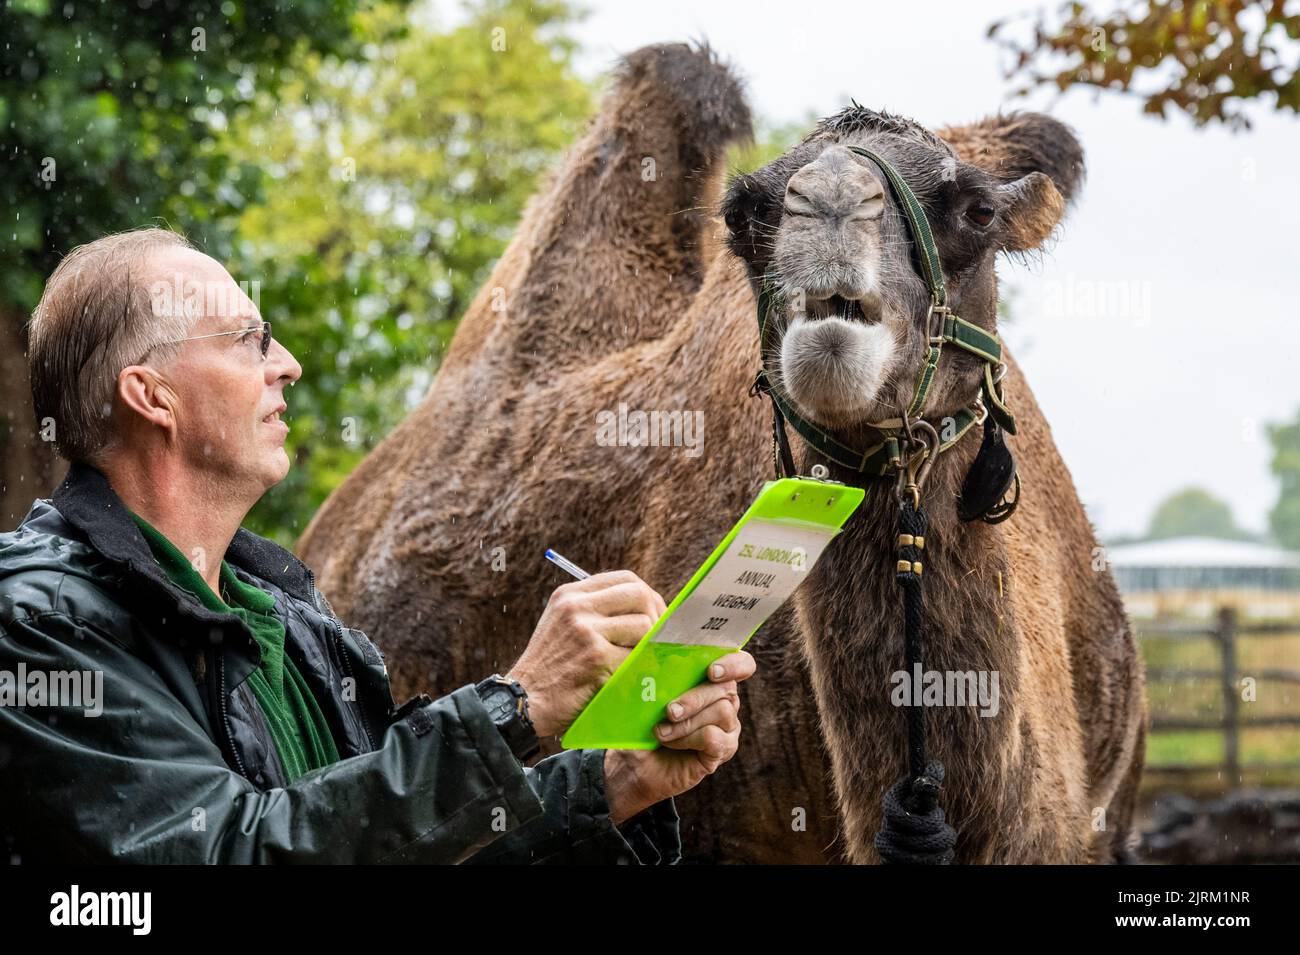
(769, 539)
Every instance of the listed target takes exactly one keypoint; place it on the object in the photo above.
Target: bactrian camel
(632, 281)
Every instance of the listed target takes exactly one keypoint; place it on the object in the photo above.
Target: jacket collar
(88, 502)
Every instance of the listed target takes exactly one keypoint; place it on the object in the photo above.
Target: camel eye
(981, 214)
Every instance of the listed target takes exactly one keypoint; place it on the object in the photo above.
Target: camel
(631, 284)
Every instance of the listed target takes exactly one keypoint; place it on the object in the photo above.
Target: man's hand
(702, 732)
(587, 629)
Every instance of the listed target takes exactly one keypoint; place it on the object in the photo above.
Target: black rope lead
(782, 456)
(914, 831)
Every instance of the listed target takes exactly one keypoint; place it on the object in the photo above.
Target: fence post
(1226, 635)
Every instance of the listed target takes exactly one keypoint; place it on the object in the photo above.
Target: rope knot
(914, 830)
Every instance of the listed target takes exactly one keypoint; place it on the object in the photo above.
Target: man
(177, 688)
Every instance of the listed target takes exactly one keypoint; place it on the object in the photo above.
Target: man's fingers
(734, 666)
(624, 583)
(625, 630)
(624, 598)
(697, 698)
(607, 578)
(721, 713)
(613, 655)
(659, 600)
(713, 745)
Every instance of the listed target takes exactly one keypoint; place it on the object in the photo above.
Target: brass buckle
(935, 334)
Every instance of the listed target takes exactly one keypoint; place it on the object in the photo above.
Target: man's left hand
(701, 733)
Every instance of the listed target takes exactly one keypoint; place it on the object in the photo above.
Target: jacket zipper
(343, 655)
(225, 715)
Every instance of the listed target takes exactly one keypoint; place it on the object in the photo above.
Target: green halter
(941, 324)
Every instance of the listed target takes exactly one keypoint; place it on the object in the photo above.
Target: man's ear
(1039, 161)
(144, 396)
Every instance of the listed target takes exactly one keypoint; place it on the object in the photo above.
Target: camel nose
(835, 185)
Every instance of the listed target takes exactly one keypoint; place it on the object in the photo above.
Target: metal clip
(915, 467)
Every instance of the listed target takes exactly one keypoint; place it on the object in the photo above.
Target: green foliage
(107, 113)
(1284, 519)
(1205, 58)
(365, 176)
(1194, 512)
(771, 140)
(393, 183)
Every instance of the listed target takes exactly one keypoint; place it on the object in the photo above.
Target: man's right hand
(587, 629)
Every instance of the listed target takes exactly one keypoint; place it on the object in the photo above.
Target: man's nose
(835, 185)
(280, 363)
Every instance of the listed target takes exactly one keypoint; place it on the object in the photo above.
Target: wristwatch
(507, 704)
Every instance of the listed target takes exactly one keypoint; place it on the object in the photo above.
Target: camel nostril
(798, 204)
(872, 207)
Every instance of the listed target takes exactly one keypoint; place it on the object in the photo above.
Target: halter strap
(931, 270)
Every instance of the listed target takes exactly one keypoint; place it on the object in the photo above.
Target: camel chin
(835, 368)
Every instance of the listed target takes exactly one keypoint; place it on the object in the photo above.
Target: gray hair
(96, 317)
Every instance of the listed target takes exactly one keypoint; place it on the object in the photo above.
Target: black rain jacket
(178, 766)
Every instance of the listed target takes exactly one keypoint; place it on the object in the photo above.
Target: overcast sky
(1158, 332)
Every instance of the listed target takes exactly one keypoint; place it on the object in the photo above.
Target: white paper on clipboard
(762, 566)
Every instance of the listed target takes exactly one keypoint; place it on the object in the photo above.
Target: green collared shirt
(297, 725)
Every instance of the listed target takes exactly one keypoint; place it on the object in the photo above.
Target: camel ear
(742, 205)
(1034, 208)
(1038, 159)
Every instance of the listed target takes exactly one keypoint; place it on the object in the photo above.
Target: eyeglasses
(264, 329)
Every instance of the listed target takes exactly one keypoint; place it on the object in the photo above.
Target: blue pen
(566, 565)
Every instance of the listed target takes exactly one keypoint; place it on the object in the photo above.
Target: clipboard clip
(821, 474)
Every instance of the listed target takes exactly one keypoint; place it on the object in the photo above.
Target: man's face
(228, 398)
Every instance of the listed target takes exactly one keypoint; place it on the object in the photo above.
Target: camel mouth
(835, 367)
(867, 311)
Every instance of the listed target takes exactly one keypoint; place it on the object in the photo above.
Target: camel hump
(691, 88)
(616, 244)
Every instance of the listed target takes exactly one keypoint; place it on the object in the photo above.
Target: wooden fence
(1225, 633)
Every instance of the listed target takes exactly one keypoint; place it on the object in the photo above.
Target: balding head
(100, 312)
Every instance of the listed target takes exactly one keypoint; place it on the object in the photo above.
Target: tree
(1203, 57)
(394, 181)
(1284, 519)
(1194, 512)
(107, 120)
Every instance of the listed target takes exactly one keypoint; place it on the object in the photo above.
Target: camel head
(826, 228)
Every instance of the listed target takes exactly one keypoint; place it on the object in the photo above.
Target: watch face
(500, 705)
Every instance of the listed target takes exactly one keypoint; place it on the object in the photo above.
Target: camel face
(824, 226)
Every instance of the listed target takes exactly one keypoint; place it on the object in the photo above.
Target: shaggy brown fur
(618, 289)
